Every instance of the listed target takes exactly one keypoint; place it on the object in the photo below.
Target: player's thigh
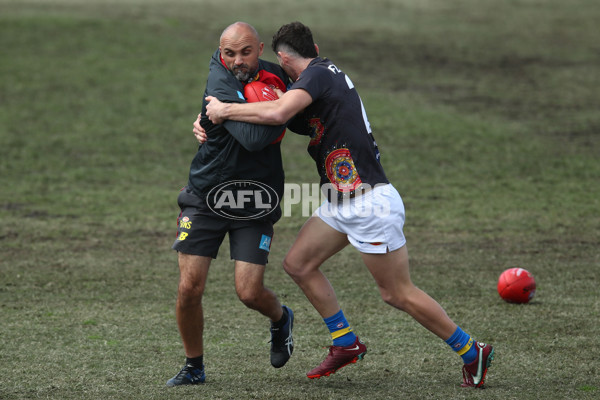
(390, 270)
(315, 243)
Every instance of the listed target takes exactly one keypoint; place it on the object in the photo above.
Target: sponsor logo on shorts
(184, 223)
(265, 243)
(182, 236)
(242, 199)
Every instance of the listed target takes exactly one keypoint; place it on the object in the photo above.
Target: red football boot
(339, 357)
(474, 373)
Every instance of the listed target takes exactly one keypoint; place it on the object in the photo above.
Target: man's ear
(283, 57)
(261, 47)
(317, 48)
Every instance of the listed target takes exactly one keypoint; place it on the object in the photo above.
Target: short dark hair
(297, 37)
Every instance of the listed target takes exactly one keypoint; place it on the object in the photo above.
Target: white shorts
(372, 221)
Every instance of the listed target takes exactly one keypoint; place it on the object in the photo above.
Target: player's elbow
(276, 117)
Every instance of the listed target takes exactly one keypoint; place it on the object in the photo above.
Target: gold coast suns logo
(185, 223)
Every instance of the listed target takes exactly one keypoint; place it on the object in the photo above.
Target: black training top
(342, 143)
(237, 150)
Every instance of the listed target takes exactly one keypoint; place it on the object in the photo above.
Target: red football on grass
(259, 91)
(516, 285)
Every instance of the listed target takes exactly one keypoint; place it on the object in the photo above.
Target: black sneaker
(282, 342)
(189, 375)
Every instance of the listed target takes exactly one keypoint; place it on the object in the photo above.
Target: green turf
(486, 114)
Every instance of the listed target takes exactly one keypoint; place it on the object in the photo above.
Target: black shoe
(189, 375)
(282, 342)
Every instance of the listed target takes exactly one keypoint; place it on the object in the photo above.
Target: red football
(259, 91)
(516, 285)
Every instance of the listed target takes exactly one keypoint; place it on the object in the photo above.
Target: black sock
(282, 321)
(195, 362)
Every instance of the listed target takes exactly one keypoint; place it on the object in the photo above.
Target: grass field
(486, 113)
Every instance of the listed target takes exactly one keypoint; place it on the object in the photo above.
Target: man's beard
(242, 73)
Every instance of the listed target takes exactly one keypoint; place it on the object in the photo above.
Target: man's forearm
(253, 137)
(276, 112)
(263, 113)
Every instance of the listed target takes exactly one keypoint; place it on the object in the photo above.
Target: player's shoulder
(319, 70)
(320, 62)
(272, 68)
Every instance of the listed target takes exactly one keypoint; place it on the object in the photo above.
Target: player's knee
(395, 299)
(249, 296)
(189, 294)
(387, 297)
(293, 269)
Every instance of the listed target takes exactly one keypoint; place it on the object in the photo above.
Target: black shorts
(201, 232)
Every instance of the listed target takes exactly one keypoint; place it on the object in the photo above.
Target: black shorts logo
(242, 199)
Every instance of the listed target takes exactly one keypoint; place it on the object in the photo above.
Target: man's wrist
(225, 112)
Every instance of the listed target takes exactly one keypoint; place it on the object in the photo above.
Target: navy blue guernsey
(341, 143)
